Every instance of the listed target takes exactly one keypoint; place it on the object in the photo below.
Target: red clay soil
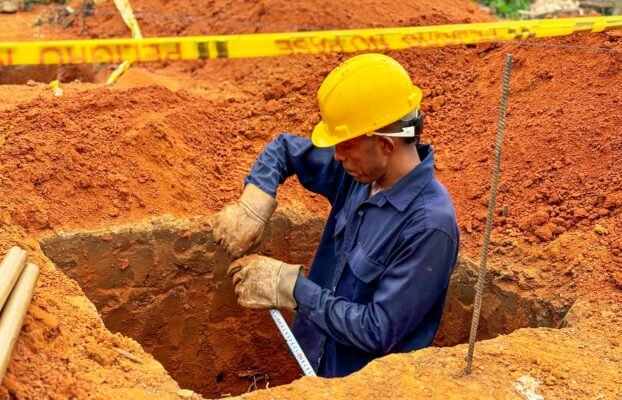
(104, 162)
(581, 361)
(179, 138)
(121, 154)
(213, 17)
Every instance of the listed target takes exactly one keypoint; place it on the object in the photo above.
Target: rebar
(505, 88)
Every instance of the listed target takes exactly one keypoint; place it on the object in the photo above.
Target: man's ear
(387, 144)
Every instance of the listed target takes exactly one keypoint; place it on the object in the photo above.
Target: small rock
(124, 263)
(185, 393)
(554, 199)
(560, 374)
(601, 230)
(468, 226)
(550, 380)
(529, 274)
(274, 93)
(44, 316)
(31, 83)
(602, 212)
(609, 44)
(613, 200)
(544, 233)
(440, 166)
(540, 217)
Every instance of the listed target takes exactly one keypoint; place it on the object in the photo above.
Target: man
(378, 282)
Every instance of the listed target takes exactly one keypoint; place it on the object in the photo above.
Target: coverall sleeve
(409, 287)
(286, 155)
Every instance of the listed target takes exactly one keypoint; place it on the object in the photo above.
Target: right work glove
(240, 226)
(263, 282)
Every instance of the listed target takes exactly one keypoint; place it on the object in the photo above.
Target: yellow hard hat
(365, 93)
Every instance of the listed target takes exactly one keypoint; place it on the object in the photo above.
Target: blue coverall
(379, 278)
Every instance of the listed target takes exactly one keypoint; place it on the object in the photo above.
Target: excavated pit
(163, 283)
(22, 74)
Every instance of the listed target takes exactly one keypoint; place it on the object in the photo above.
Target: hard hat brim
(321, 136)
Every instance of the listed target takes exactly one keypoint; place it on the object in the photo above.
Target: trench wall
(505, 306)
(163, 283)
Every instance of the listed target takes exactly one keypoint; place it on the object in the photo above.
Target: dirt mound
(560, 155)
(90, 157)
(212, 17)
(555, 364)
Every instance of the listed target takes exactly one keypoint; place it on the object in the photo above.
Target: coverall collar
(410, 185)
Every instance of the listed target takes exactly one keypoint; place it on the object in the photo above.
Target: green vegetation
(507, 8)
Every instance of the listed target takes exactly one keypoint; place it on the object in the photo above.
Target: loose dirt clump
(213, 17)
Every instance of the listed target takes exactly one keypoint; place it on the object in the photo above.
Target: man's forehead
(354, 142)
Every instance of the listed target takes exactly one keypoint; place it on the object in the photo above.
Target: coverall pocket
(363, 267)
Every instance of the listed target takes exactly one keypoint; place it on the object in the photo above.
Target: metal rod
(12, 265)
(13, 314)
(505, 88)
(291, 341)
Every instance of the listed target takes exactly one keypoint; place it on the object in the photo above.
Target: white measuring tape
(292, 343)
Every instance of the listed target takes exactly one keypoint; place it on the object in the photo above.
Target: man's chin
(359, 178)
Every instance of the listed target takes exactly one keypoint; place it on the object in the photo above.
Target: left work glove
(239, 227)
(263, 282)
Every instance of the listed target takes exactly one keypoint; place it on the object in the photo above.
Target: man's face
(362, 158)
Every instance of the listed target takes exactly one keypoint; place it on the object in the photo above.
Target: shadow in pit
(506, 307)
(163, 283)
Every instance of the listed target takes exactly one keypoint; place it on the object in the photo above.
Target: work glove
(263, 282)
(239, 227)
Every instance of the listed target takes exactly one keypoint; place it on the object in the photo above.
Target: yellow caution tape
(55, 86)
(285, 44)
(125, 9)
(120, 70)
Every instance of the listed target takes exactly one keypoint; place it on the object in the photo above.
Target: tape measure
(292, 343)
